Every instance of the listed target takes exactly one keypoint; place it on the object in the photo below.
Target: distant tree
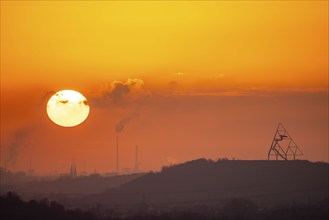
(12, 207)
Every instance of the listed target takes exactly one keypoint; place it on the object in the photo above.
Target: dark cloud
(121, 93)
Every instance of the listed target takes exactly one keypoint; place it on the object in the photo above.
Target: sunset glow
(207, 79)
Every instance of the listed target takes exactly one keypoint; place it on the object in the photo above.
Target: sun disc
(67, 108)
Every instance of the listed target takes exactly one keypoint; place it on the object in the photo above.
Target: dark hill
(209, 182)
(64, 187)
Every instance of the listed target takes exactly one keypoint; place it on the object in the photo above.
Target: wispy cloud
(224, 93)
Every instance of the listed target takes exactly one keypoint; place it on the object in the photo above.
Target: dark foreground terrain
(12, 207)
(199, 189)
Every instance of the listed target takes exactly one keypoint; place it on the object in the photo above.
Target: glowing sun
(67, 108)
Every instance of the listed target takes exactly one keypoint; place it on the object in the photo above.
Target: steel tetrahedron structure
(283, 146)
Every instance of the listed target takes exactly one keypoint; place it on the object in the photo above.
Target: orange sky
(209, 79)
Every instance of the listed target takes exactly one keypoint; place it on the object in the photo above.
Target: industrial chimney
(117, 154)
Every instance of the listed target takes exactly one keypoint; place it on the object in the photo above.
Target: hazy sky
(197, 79)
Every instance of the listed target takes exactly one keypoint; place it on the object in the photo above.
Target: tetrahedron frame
(288, 151)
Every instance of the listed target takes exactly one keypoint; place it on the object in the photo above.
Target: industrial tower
(283, 146)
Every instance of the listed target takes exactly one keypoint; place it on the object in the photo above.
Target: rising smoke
(14, 148)
(121, 124)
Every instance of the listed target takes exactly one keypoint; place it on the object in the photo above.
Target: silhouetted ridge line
(226, 198)
(208, 190)
(203, 180)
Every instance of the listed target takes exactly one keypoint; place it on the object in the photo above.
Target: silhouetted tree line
(242, 209)
(12, 207)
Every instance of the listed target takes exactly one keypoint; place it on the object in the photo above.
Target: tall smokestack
(119, 127)
(137, 163)
(117, 154)
(136, 157)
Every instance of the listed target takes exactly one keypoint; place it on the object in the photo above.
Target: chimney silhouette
(117, 154)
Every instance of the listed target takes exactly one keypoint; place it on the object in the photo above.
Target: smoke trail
(12, 155)
(121, 124)
(14, 148)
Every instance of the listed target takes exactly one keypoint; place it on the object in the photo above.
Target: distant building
(73, 170)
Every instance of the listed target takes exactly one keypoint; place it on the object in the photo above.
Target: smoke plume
(15, 147)
(121, 124)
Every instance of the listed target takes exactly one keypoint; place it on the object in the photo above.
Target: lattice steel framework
(283, 146)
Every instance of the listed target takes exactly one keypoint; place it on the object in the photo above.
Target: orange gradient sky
(204, 79)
